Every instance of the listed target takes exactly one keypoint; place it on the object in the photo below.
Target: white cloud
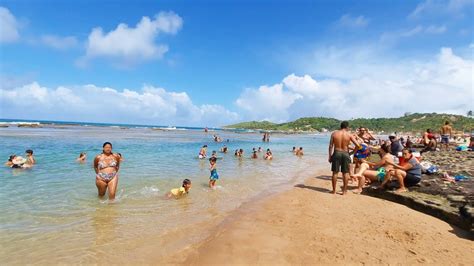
(9, 26)
(353, 22)
(433, 29)
(131, 45)
(419, 30)
(58, 42)
(408, 33)
(442, 84)
(150, 105)
(440, 7)
(266, 103)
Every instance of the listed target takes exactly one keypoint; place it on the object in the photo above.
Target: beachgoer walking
(214, 176)
(106, 166)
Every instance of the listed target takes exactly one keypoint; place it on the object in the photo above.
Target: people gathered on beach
(397, 164)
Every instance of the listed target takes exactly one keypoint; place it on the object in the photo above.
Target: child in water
(214, 176)
(183, 190)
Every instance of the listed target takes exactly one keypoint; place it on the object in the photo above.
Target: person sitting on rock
(429, 140)
(409, 174)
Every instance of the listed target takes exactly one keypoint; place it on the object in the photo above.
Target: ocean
(51, 213)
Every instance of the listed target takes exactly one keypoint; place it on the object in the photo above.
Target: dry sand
(308, 225)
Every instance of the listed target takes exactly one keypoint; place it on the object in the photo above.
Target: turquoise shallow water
(52, 210)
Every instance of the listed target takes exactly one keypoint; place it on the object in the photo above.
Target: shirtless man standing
(339, 155)
(446, 133)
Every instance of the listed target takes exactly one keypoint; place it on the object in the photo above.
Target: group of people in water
(348, 153)
(15, 161)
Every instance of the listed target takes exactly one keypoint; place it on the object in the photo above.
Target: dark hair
(268, 149)
(11, 157)
(301, 148)
(29, 151)
(344, 124)
(213, 159)
(447, 122)
(241, 150)
(294, 147)
(186, 182)
(106, 143)
(428, 130)
(205, 146)
(391, 137)
(385, 148)
(408, 150)
(119, 154)
(81, 154)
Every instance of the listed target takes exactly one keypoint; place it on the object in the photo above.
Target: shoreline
(306, 224)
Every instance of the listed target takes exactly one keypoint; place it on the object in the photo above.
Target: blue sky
(219, 62)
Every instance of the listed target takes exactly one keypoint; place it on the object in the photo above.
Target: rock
(456, 198)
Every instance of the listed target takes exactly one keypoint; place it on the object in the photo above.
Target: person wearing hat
(17, 162)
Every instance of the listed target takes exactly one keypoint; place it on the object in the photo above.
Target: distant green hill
(410, 122)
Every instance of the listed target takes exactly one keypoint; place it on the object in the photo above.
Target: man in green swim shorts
(339, 155)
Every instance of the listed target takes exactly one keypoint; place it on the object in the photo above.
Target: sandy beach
(308, 225)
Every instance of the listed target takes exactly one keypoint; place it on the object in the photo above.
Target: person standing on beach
(339, 155)
(446, 133)
(106, 166)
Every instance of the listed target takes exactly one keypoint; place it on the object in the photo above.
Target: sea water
(52, 214)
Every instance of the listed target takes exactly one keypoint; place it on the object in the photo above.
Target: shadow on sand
(319, 189)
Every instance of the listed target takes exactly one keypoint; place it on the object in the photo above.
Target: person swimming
(82, 157)
(106, 166)
(19, 162)
(224, 149)
(299, 152)
(268, 155)
(254, 155)
(30, 159)
(214, 176)
(182, 191)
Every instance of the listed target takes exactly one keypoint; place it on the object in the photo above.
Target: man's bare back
(341, 140)
(446, 130)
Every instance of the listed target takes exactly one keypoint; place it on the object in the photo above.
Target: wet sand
(308, 225)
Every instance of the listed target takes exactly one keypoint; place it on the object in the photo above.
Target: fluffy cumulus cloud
(150, 105)
(267, 103)
(443, 84)
(131, 45)
(8, 26)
